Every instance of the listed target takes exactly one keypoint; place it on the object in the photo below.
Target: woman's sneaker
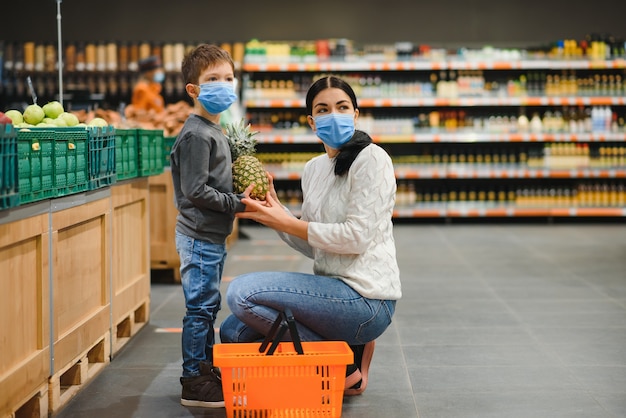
(205, 390)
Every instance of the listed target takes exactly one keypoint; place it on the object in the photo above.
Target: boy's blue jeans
(201, 267)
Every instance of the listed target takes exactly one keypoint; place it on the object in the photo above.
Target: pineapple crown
(240, 139)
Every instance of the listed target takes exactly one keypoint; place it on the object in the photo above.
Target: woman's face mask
(217, 96)
(334, 129)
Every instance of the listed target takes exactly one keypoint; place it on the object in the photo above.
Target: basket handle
(284, 321)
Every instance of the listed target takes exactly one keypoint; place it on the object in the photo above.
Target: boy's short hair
(202, 57)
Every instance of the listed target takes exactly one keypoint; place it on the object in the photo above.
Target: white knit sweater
(350, 229)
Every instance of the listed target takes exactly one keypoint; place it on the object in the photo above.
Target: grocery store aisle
(496, 321)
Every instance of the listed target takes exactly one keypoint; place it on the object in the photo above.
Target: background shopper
(147, 91)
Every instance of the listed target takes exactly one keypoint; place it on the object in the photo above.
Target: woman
(345, 227)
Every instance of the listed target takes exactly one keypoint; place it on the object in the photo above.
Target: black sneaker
(205, 390)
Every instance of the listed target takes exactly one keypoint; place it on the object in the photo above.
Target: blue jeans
(201, 267)
(325, 308)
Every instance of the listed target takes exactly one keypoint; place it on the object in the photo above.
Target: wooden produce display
(75, 288)
(80, 286)
(24, 316)
(130, 281)
(163, 213)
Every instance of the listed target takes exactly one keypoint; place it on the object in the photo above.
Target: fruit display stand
(9, 195)
(163, 255)
(24, 311)
(80, 291)
(130, 282)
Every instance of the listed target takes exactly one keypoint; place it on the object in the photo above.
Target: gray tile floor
(496, 321)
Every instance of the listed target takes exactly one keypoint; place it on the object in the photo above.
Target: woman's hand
(272, 190)
(272, 214)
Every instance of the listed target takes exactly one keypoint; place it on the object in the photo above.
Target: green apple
(15, 116)
(53, 109)
(69, 118)
(98, 122)
(33, 114)
(60, 122)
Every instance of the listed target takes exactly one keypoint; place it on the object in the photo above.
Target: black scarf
(349, 151)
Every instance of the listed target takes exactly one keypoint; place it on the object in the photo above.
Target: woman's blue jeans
(201, 267)
(325, 308)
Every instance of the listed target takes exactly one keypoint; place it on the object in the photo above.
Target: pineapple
(247, 169)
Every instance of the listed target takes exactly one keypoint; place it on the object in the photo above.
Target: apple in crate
(33, 114)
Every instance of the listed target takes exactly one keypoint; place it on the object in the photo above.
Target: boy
(203, 194)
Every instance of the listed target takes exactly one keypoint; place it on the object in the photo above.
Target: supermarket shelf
(458, 171)
(594, 160)
(460, 135)
(427, 65)
(452, 102)
(468, 171)
(468, 211)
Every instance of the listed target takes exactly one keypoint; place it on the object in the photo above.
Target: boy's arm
(194, 173)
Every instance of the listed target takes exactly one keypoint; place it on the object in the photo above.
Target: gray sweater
(203, 184)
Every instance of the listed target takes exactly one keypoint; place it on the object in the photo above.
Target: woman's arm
(272, 214)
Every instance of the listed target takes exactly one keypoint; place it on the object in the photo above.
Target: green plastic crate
(126, 154)
(101, 148)
(168, 143)
(71, 161)
(9, 190)
(35, 149)
(150, 146)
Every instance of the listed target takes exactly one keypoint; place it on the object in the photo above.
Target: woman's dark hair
(351, 149)
(327, 83)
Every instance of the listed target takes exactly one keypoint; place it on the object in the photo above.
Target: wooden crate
(24, 317)
(81, 310)
(130, 281)
(163, 213)
(36, 405)
(65, 383)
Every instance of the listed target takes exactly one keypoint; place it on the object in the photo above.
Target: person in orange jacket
(147, 91)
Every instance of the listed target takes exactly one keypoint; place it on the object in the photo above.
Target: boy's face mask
(216, 96)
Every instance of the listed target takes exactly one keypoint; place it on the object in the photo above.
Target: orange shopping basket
(299, 379)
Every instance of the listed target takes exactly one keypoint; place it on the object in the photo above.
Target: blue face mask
(159, 77)
(216, 97)
(335, 129)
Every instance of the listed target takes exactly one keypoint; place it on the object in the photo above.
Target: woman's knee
(236, 292)
(227, 329)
